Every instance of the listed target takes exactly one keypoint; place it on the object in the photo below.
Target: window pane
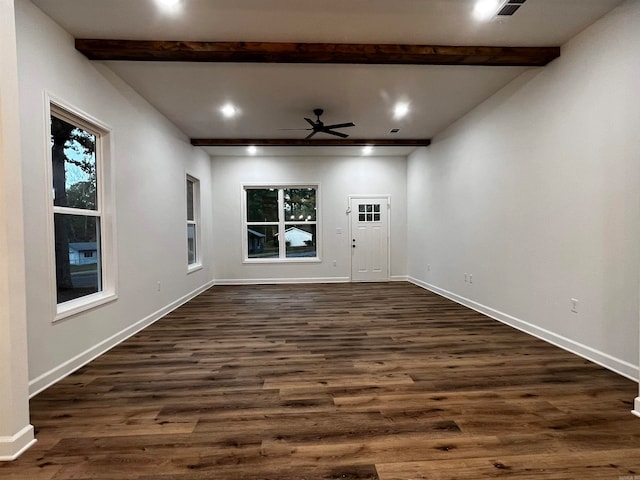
(78, 262)
(73, 153)
(300, 240)
(262, 205)
(300, 204)
(262, 241)
(190, 200)
(191, 243)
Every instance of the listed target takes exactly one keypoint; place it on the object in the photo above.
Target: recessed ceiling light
(169, 4)
(400, 110)
(252, 150)
(485, 9)
(367, 150)
(229, 110)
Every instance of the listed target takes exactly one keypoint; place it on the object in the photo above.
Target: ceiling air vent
(510, 8)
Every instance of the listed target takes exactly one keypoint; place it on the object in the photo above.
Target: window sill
(74, 307)
(280, 260)
(194, 268)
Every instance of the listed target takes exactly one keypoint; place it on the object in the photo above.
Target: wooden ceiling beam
(297, 142)
(333, 53)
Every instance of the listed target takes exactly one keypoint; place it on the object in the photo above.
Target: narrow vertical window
(78, 210)
(193, 220)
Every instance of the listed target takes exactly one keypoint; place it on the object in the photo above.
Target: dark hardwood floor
(342, 381)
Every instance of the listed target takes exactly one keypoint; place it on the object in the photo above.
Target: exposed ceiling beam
(296, 142)
(265, 52)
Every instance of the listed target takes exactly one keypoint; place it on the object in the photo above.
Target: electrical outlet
(158, 286)
(574, 305)
(471, 278)
(335, 263)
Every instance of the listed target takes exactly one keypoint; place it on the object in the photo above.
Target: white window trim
(282, 259)
(197, 221)
(106, 208)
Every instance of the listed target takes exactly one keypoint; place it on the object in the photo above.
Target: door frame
(374, 196)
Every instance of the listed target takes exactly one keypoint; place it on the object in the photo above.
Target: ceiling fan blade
(340, 125)
(337, 134)
(310, 122)
(310, 135)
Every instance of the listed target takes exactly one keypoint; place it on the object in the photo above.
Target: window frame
(196, 221)
(282, 223)
(104, 209)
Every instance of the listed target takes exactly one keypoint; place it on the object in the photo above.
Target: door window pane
(262, 205)
(73, 154)
(78, 259)
(262, 241)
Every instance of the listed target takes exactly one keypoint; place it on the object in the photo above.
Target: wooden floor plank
(606, 465)
(338, 381)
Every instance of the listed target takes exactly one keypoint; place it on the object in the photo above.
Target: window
(193, 219)
(369, 212)
(82, 273)
(274, 213)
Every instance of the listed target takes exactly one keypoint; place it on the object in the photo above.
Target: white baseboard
(399, 278)
(605, 360)
(275, 281)
(56, 374)
(12, 447)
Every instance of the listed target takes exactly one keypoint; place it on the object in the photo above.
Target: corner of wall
(12, 447)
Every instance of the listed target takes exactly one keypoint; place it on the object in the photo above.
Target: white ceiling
(275, 96)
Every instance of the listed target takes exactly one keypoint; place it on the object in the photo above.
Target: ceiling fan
(319, 127)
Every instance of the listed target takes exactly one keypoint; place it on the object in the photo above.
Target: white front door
(369, 239)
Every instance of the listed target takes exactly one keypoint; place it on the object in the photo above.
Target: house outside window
(80, 232)
(193, 222)
(281, 223)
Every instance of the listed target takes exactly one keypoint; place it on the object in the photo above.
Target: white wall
(16, 434)
(338, 178)
(150, 158)
(536, 193)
